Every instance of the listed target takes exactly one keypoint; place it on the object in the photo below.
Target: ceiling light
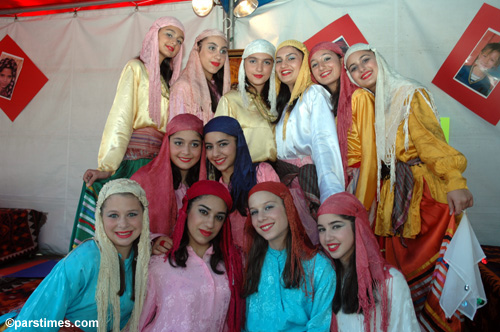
(202, 7)
(245, 7)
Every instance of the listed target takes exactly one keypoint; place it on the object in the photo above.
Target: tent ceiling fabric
(44, 7)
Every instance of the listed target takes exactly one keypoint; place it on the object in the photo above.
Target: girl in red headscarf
(289, 285)
(196, 285)
(180, 163)
(370, 294)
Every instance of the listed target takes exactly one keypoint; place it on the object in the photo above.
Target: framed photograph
(10, 68)
(471, 72)
(343, 32)
(234, 64)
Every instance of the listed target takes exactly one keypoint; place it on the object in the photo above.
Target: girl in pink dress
(196, 286)
(180, 163)
(205, 78)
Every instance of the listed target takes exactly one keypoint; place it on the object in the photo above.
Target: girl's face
(258, 67)
(185, 149)
(5, 77)
(213, 52)
(221, 151)
(269, 218)
(363, 68)
(122, 218)
(288, 63)
(325, 67)
(488, 60)
(204, 221)
(170, 39)
(336, 236)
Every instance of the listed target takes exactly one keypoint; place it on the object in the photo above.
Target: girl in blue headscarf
(231, 164)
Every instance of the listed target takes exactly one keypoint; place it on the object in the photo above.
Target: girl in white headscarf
(254, 103)
(102, 282)
(137, 120)
(421, 175)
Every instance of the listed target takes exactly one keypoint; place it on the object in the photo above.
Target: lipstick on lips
(333, 246)
(219, 161)
(285, 72)
(366, 75)
(124, 235)
(266, 227)
(185, 160)
(258, 76)
(205, 233)
(170, 48)
(325, 74)
(215, 64)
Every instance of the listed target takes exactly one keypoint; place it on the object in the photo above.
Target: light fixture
(245, 7)
(202, 7)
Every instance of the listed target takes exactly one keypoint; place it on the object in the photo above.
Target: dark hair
(193, 173)
(135, 251)
(334, 98)
(218, 78)
(256, 256)
(492, 47)
(181, 255)
(346, 290)
(166, 70)
(264, 94)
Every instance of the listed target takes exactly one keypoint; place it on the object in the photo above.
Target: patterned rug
(15, 291)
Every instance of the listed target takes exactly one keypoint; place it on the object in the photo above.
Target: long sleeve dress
(190, 299)
(254, 120)
(401, 309)
(276, 308)
(69, 291)
(130, 140)
(311, 135)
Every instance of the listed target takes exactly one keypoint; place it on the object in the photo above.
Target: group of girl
(240, 251)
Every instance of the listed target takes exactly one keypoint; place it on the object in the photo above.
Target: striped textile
(403, 190)
(421, 262)
(144, 143)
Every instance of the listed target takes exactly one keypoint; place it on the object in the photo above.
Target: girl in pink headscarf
(138, 118)
(205, 79)
(370, 294)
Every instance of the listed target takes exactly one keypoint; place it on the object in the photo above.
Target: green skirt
(84, 225)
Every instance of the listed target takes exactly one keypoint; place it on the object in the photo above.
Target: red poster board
(456, 77)
(24, 85)
(342, 31)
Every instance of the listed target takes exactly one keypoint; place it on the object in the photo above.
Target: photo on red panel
(471, 72)
(10, 68)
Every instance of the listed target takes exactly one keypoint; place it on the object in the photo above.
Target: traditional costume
(157, 180)
(383, 295)
(245, 174)
(194, 298)
(273, 307)
(191, 92)
(343, 107)
(250, 110)
(135, 126)
(84, 285)
(307, 134)
(422, 169)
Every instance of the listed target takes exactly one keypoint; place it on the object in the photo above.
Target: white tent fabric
(45, 151)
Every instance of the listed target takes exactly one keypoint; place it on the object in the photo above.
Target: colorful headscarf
(194, 75)
(344, 107)
(156, 177)
(108, 282)
(12, 65)
(371, 268)
(258, 46)
(394, 93)
(303, 81)
(302, 247)
(232, 258)
(244, 176)
(150, 56)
